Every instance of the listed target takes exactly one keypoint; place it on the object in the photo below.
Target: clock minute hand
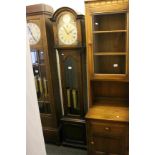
(31, 33)
(65, 30)
(70, 31)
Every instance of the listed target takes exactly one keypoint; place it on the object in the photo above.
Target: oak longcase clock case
(44, 68)
(69, 31)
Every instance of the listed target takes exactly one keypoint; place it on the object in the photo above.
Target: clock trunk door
(70, 64)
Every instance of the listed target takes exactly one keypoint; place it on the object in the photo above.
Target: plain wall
(34, 137)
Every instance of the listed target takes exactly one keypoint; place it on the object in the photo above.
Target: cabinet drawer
(99, 128)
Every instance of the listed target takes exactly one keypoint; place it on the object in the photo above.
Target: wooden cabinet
(108, 76)
(69, 39)
(107, 130)
(44, 68)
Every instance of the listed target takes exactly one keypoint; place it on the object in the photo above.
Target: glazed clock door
(70, 63)
(41, 81)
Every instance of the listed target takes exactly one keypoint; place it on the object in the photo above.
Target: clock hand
(31, 33)
(70, 31)
(65, 30)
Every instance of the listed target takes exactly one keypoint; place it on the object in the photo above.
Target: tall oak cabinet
(108, 76)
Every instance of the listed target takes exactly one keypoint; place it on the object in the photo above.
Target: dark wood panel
(111, 88)
(109, 64)
(51, 135)
(48, 121)
(74, 132)
(109, 42)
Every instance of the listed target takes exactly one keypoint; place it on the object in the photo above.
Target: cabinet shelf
(109, 31)
(99, 77)
(111, 101)
(110, 53)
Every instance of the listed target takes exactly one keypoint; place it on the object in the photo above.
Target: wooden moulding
(38, 9)
(105, 0)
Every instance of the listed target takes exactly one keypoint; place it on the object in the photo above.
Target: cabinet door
(109, 45)
(106, 145)
(107, 138)
(71, 77)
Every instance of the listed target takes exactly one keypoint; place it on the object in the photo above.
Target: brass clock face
(67, 30)
(34, 33)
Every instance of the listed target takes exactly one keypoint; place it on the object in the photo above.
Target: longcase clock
(69, 41)
(44, 68)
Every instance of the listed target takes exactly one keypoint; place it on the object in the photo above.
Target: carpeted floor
(62, 150)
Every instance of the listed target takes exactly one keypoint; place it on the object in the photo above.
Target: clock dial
(66, 18)
(33, 33)
(67, 30)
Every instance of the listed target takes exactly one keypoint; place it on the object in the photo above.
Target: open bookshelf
(110, 32)
(108, 82)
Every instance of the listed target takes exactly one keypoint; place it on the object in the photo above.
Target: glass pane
(34, 56)
(41, 57)
(109, 42)
(71, 85)
(41, 83)
(44, 107)
(109, 64)
(105, 22)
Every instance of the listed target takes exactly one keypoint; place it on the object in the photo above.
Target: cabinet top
(104, 0)
(38, 9)
(110, 113)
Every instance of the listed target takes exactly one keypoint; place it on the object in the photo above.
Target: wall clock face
(34, 33)
(67, 30)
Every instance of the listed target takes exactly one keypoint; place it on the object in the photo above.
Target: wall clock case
(69, 39)
(108, 82)
(44, 67)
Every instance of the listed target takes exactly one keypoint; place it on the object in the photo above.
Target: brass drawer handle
(92, 142)
(107, 128)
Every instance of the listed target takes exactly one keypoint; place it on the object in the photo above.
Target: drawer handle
(107, 128)
(92, 142)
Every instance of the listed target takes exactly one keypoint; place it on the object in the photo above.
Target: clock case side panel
(78, 18)
(53, 69)
(53, 134)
